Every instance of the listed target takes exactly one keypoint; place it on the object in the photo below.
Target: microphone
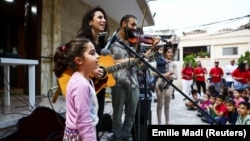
(105, 51)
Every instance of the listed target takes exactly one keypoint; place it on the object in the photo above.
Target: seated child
(220, 110)
(243, 111)
(232, 112)
(205, 118)
(203, 105)
(195, 98)
(237, 97)
(211, 90)
(245, 95)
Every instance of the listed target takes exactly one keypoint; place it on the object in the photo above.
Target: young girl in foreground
(81, 102)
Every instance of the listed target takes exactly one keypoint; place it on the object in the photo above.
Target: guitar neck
(116, 67)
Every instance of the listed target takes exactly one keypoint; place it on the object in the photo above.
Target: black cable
(56, 114)
(204, 25)
(5, 133)
(48, 95)
(211, 35)
(46, 57)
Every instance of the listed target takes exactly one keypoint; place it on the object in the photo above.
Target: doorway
(20, 28)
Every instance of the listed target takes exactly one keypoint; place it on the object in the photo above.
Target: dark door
(20, 28)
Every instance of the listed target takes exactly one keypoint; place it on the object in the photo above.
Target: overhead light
(33, 9)
(9, 0)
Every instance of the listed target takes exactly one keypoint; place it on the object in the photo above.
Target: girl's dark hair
(64, 55)
(239, 90)
(208, 95)
(222, 97)
(85, 29)
(230, 101)
(165, 50)
(213, 95)
(242, 66)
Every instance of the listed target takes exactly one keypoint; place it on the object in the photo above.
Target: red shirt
(222, 108)
(187, 73)
(216, 73)
(248, 75)
(240, 74)
(199, 73)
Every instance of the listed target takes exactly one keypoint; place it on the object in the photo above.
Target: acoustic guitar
(107, 63)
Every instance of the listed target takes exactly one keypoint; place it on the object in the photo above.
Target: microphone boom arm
(105, 50)
(169, 81)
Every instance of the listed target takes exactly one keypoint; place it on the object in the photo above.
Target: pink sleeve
(83, 116)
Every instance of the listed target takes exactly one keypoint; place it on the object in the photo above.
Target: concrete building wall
(60, 21)
(62, 18)
(216, 41)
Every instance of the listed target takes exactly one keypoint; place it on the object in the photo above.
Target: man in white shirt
(228, 71)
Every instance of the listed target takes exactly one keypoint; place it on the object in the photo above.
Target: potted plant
(190, 59)
(202, 54)
(245, 57)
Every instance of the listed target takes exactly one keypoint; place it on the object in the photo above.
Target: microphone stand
(168, 81)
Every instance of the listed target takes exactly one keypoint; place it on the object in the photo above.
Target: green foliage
(190, 58)
(202, 53)
(246, 57)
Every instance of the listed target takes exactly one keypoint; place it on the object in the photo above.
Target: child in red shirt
(220, 110)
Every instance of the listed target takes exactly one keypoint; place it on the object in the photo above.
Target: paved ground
(179, 115)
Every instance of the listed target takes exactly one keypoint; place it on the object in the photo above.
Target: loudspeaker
(142, 119)
(42, 124)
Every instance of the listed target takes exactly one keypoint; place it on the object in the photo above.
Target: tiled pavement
(179, 115)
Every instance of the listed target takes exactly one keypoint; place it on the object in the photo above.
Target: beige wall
(62, 18)
(51, 37)
(217, 41)
(60, 22)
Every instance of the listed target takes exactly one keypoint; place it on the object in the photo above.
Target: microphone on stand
(105, 51)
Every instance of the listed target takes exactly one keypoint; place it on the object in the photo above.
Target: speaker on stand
(143, 116)
(142, 119)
